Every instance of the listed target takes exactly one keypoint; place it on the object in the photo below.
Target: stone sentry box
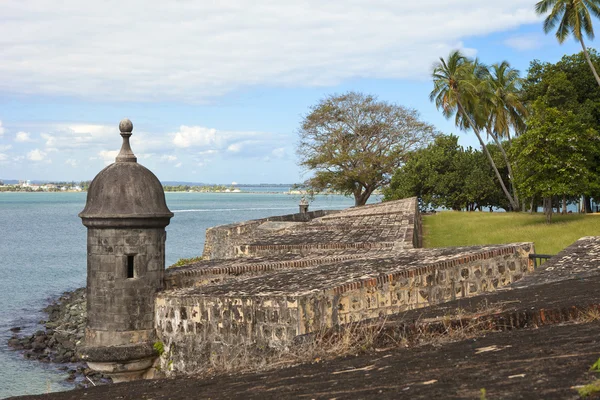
(126, 215)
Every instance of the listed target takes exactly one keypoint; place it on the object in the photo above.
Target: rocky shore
(57, 343)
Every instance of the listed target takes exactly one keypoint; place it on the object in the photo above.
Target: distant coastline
(169, 187)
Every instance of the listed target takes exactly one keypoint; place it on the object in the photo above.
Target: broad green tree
(460, 89)
(568, 86)
(446, 175)
(556, 156)
(573, 17)
(354, 142)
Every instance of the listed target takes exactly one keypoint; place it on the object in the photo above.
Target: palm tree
(505, 109)
(508, 111)
(458, 87)
(573, 17)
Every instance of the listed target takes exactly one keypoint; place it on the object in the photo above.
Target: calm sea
(43, 253)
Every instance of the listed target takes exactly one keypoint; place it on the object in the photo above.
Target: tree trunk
(548, 209)
(360, 197)
(587, 205)
(589, 60)
(564, 204)
(510, 172)
(513, 205)
(531, 207)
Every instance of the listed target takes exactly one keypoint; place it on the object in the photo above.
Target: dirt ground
(548, 357)
(544, 363)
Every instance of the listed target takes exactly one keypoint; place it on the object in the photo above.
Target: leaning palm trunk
(461, 109)
(510, 172)
(589, 60)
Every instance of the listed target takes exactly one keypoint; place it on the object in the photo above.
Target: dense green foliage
(447, 175)
(566, 85)
(354, 142)
(559, 153)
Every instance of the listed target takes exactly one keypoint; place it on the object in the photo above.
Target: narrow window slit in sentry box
(130, 267)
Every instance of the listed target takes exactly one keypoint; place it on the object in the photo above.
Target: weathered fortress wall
(221, 240)
(271, 310)
(287, 278)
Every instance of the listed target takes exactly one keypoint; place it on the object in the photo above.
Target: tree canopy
(447, 175)
(353, 142)
(566, 85)
(556, 156)
(564, 95)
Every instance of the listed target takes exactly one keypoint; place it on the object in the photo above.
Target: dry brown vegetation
(378, 336)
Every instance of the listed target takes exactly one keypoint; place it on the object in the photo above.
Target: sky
(216, 90)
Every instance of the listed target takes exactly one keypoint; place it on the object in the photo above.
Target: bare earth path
(539, 363)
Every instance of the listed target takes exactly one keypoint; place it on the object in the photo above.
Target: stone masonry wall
(391, 225)
(415, 288)
(196, 324)
(221, 240)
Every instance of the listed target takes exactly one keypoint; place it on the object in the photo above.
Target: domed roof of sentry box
(126, 194)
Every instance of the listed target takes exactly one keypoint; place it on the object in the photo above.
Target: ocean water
(43, 253)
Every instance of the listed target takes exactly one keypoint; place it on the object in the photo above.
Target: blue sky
(216, 90)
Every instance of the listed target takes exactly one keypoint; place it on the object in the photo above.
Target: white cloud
(196, 136)
(168, 158)
(108, 156)
(235, 147)
(72, 162)
(279, 152)
(208, 152)
(526, 42)
(195, 50)
(178, 165)
(36, 155)
(1, 129)
(203, 141)
(79, 137)
(3, 157)
(5, 147)
(22, 137)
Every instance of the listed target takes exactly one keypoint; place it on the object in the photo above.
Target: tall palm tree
(573, 18)
(505, 109)
(508, 111)
(457, 88)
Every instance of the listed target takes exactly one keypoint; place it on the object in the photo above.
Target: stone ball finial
(126, 126)
(126, 155)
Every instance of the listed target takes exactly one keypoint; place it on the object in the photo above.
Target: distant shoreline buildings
(27, 186)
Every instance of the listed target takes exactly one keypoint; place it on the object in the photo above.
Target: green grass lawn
(451, 228)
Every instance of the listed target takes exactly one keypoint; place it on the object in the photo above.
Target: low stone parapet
(271, 310)
(220, 240)
(371, 226)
